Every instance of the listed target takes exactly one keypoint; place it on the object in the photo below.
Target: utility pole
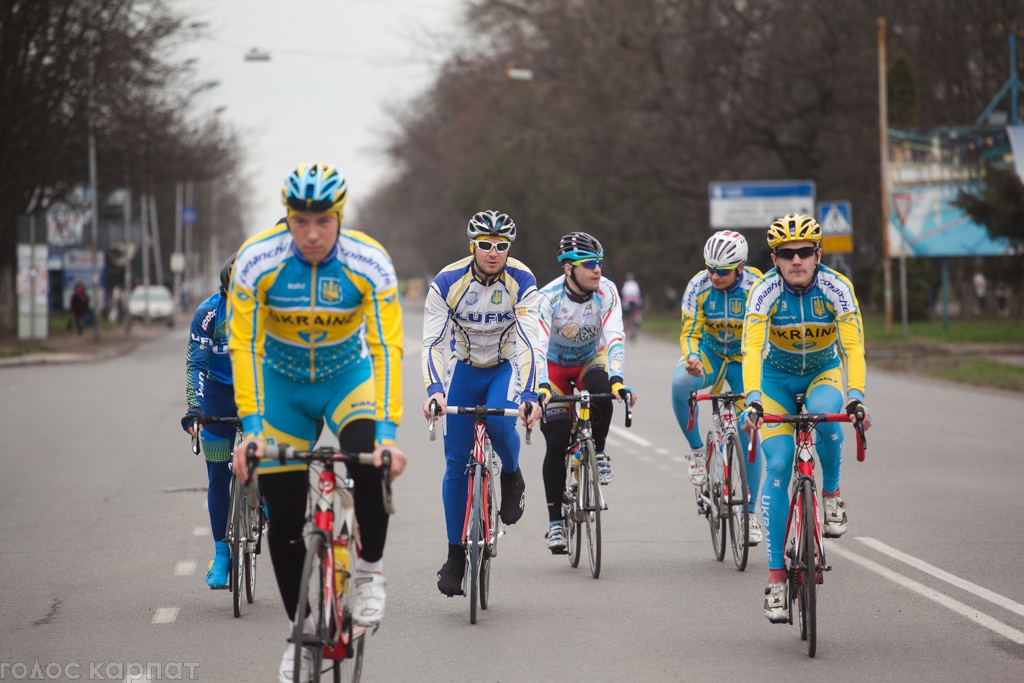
(154, 226)
(190, 267)
(97, 302)
(144, 200)
(176, 259)
(883, 148)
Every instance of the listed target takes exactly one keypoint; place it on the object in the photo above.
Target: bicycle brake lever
(389, 503)
(434, 410)
(529, 430)
(195, 436)
(629, 410)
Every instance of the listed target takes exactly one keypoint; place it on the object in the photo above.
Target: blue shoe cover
(217, 577)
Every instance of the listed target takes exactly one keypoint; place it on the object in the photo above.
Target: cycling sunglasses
(589, 264)
(502, 247)
(802, 252)
(720, 272)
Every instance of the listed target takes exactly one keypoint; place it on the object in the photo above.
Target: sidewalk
(70, 347)
(1006, 353)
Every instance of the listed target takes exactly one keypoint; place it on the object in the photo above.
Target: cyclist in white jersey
(581, 347)
(479, 339)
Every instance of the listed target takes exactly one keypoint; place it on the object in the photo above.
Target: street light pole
(96, 289)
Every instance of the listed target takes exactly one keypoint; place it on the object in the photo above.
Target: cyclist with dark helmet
(209, 391)
(316, 332)
(479, 339)
(580, 346)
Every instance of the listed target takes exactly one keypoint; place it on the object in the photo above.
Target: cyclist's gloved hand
(752, 415)
(858, 411)
(194, 413)
(543, 394)
(624, 392)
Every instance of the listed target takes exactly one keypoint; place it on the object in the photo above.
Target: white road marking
(679, 458)
(629, 436)
(971, 613)
(614, 442)
(165, 615)
(201, 531)
(631, 451)
(984, 593)
(662, 451)
(185, 568)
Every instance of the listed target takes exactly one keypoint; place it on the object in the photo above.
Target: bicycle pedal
(557, 551)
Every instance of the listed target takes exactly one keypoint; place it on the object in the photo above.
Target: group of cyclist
(773, 336)
(306, 332)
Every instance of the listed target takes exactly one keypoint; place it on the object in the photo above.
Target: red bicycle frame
(479, 434)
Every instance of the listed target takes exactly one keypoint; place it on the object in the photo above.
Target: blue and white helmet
(491, 224)
(318, 188)
(579, 246)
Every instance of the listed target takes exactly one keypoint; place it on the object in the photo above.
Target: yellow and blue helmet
(317, 188)
(793, 228)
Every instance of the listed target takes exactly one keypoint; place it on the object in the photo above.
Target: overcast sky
(300, 107)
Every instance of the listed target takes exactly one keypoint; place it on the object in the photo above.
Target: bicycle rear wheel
(571, 511)
(490, 546)
(254, 532)
(474, 538)
(235, 530)
(350, 670)
(590, 487)
(807, 577)
(713, 486)
(317, 570)
(737, 500)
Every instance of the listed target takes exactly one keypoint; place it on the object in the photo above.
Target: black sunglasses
(802, 252)
(502, 247)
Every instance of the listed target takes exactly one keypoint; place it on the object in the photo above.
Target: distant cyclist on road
(580, 346)
(480, 333)
(632, 305)
(316, 332)
(714, 305)
(208, 391)
(803, 324)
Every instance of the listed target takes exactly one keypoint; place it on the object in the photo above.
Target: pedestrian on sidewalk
(79, 306)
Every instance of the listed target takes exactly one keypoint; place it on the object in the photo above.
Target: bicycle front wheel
(475, 542)
(254, 533)
(590, 490)
(235, 530)
(737, 499)
(713, 488)
(315, 594)
(807, 576)
(571, 517)
(350, 669)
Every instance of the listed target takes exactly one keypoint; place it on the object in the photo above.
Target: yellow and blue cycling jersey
(803, 332)
(315, 324)
(713, 319)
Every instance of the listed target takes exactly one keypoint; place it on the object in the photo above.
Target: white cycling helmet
(491, 224)
(725, 249)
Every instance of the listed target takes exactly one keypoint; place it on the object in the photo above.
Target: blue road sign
(189, 215)
(836, 218)
(756, 204)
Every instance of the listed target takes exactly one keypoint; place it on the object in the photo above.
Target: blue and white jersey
(207, 355)
(572, 331)
(481, 323)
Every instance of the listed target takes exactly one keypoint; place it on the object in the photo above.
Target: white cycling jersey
(481, 324)
(573, 331)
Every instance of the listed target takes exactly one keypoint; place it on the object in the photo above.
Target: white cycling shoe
(836, 523)
(776, 602)
(697, 469)
(754, 533)
(286, 673)
(368, 598)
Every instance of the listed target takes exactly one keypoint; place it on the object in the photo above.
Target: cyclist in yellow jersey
(315, 332)
(802, 325)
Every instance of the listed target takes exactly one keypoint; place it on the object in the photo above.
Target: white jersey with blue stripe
(481, 323)
(573, 331)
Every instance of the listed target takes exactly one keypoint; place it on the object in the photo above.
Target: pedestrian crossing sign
(836, 220)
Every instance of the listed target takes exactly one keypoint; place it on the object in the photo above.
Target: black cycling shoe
(449, 579)
(513, 496)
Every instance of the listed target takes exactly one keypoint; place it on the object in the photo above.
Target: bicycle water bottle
(576, 456)
(341, 566)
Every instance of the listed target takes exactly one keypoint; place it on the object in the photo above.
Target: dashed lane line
(165, 615)
(628, 436)
(185, 568)
(662, 451)
(984, 593)
(960, 608)
(201, 531)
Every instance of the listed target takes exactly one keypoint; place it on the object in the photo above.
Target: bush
(921, 280)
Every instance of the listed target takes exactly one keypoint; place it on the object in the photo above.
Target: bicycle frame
(479, 460)
(723, 418)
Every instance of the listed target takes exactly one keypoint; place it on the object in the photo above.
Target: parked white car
(161, 305)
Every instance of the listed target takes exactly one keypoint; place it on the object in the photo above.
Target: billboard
(757, 204)
(928, 172)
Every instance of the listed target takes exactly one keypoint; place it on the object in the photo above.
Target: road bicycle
(724, 498)
(805, 553)
(582, 500)
(482, 526)
(246, 521)
(332, 544)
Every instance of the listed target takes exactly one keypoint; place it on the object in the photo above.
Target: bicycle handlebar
(728, 397)
(199, 419)
(478, 412)
(813, 419)
(283, 453)
(578, 398)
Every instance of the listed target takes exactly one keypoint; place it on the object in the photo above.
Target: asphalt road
(100, 565)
